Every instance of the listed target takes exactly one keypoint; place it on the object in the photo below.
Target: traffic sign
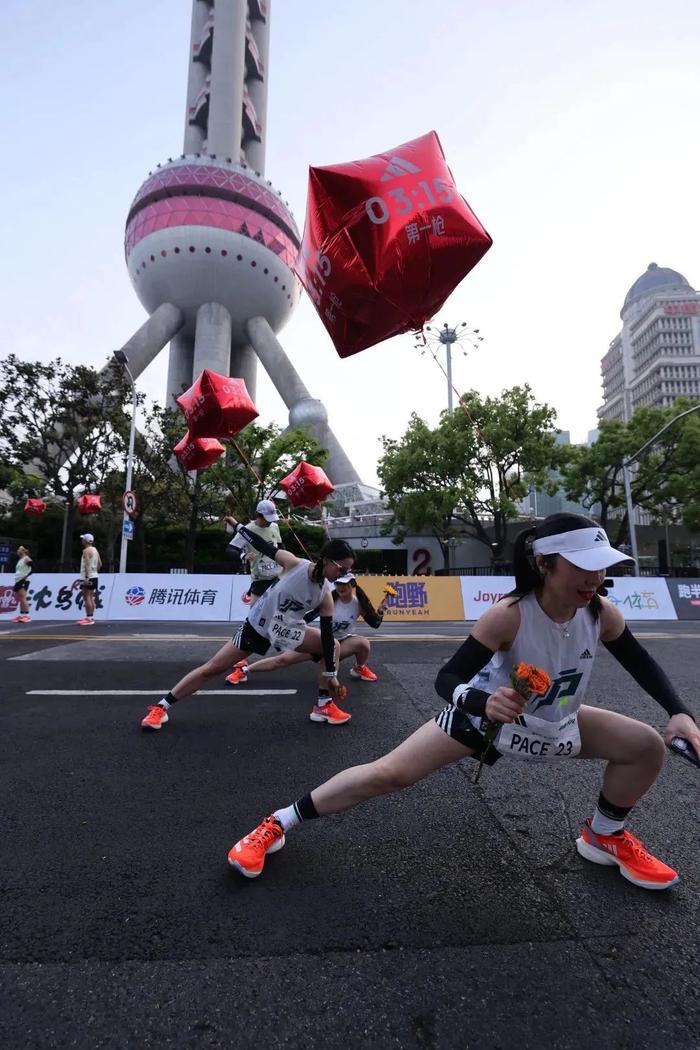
(128, 529)
(130, 503)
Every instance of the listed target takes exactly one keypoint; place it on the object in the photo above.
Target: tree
(63, 426)
(667, 474)
(466, 475)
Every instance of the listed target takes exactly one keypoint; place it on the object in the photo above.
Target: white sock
(164, 703)
(287, 817)
(602, 825)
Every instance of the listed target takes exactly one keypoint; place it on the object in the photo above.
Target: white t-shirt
(284, 606)
(23, 568)
(89, 563)
(261, 567)
(548, 727)
(345, 617)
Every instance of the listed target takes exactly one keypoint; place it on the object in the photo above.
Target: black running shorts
(21, 585)
(89, 585)
(248, 639)
(456, 724)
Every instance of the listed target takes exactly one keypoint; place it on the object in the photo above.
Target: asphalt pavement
(446, 916)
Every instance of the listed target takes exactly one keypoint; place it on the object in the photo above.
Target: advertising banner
(479, 593)
(53, 596)
(638, 598)
(685, 595)
(162, 596)
(642, 598)
(417, 598)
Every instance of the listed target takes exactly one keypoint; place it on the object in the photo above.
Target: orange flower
(527, 679)
(391, 591)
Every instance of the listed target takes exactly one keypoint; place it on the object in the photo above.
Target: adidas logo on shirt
(586, 655)
(601, 538)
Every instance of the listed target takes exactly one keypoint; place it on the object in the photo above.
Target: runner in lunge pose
(264, 571)
(348, 607)
(278, 620)
(23, 570)
(553, 619)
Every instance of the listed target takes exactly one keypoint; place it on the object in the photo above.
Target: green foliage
(474, 466)
(667, 475)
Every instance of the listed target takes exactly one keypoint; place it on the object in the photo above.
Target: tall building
(539, 504)
(656, 357)
(210, 245)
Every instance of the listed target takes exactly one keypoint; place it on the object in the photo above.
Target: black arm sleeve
(470, 658)
(313, 615)
(646, 672)
(328, 642)
(375, 620)
(257, 542)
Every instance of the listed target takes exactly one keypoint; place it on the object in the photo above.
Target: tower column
(145, 344)
(257, 89)
(304, 410)
(244, 365)
(196, 78)
(212, 339)
(179, 368)
(227, 77)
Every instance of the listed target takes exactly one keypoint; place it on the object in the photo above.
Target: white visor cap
(585, 548)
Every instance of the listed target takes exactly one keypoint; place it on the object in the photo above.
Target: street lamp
(121, 359)
(628, 488)
(447, 337)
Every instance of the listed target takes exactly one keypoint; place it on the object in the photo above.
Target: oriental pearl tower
(210, 245)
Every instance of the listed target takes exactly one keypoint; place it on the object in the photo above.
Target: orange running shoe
(627, 852)
(237, 675)
(330, 713)
(248, 855)
(362, 671)
(157, 716)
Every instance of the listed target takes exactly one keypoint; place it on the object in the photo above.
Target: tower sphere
(203, 230)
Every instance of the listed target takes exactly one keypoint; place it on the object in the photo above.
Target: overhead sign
(130, 503)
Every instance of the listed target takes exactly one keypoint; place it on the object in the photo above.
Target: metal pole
(625, 475)
(450, 407)
(630, 517)
(129, 468)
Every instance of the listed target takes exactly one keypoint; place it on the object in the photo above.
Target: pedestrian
(553, 618)
(264, 571)
(350, 603)
(277, 621)
(23, 570)
(90, 565)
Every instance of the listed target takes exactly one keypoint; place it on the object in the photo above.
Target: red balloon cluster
(216, 406)
(34, 507)
(387, 239)
(89, 503)
(198, 453)
(306, 486)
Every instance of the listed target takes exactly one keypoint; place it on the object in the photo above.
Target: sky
(571, 129)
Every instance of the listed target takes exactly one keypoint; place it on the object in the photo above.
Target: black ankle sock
(169, 699)
(305, 808)
(608, 809)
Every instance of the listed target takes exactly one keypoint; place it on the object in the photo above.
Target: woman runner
(553, 619)
(23, 570)
(264, 571)
(348, 607)
(277, 620)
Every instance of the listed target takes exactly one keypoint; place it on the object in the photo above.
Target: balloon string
(260, 482)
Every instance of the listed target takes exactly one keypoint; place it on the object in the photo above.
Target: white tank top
(287, 601)
(23, 569)
(345, 617)
(548, 727)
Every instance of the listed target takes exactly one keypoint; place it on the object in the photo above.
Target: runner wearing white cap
(263, 570)
(552, 619)
(351, 602)
(90, 565)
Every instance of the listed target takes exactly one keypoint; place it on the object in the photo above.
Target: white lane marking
(233, 691)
